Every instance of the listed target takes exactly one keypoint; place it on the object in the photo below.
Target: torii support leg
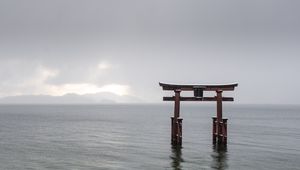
(219, 132)
(176, 121)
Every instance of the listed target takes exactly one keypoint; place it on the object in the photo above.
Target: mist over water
(138, 137)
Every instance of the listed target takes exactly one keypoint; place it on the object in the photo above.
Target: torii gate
(219, 130)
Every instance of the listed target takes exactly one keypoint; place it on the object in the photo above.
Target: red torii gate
(219, 132)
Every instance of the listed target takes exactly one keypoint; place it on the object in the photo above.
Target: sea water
(127, 137)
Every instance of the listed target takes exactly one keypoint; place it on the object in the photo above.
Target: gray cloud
(252, 42)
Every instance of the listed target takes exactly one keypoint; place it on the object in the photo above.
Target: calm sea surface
(127, 137)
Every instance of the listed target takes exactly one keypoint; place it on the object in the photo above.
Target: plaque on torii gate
(219, 130)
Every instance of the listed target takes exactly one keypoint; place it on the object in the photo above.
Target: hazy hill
(69, 99)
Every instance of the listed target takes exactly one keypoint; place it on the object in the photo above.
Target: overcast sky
(55, 47)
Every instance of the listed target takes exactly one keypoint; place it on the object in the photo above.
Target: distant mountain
(70, 99)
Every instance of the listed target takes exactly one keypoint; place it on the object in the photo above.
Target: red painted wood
(206, 87)
(219, 130)
(198, 99)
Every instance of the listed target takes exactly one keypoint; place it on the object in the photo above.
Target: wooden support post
(176, 121)
(172, 129)
(214, 131)
(219, 105)
(219, 124)
(179, 134)
(219, 115)
(224, 130)
(177, 104)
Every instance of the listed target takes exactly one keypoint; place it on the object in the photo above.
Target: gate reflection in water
(176, 158)
(219, 157)
(218, 162)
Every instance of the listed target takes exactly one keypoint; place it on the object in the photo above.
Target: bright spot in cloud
(43, 74)
(116, 89)
(104, 66)
(86, 88)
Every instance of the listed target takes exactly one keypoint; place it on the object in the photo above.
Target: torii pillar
(176, 121)
(219, 133)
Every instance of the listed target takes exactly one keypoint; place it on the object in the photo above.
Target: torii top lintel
(198, 91)
(204, 87)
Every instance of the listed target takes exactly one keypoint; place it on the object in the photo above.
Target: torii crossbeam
(219, 132)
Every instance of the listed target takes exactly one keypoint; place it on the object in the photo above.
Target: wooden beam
(206, 87)
(197, 99)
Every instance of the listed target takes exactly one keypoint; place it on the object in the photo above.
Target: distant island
(71, 98)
